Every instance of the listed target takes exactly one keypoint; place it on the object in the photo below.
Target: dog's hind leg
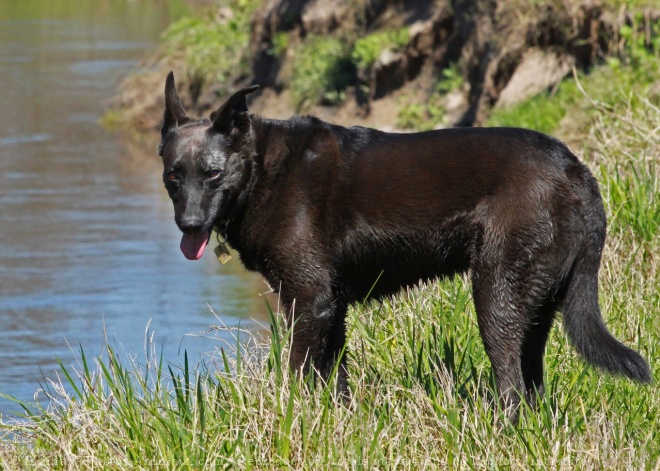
(502, 328)
(533, 351)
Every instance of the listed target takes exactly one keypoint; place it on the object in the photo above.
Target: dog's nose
(191, 225)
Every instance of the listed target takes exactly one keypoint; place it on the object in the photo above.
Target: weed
(413, 116)
(424, 117)
(606, 86)
(321, 71)
(451, 78)
(367, 49)
(542, 113)
(632, 192)
(213, 50)
(281, 43)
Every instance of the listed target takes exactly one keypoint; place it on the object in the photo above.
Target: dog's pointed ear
(232, 112)
(174, 114)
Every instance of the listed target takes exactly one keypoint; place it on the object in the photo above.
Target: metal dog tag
(222, 252)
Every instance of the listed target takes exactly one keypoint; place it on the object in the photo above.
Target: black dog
(330, 215)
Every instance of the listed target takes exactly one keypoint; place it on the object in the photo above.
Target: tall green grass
(633, 191)
(422, 398)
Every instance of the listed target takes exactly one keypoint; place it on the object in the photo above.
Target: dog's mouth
(193, 245)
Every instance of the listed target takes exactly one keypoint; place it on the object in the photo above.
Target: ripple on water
(24, 139)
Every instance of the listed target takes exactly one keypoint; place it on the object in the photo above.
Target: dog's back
(391, 209)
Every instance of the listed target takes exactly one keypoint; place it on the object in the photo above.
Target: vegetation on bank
(635, 73)
(365, 53)
(423, 395)
(213, 45)
(367, 49)
(321, 72)
(424, 116)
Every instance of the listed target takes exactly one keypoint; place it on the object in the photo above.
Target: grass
(367, 49)
(214, 50)
(422, 387)
(423, 397)
(207, 52)
(322, 69)
(632, 76)
(419, 117)
(633, 191)
(542, 112)
(426, 116)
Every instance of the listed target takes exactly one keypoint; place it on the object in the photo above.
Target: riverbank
(421, 382)
(383, 63)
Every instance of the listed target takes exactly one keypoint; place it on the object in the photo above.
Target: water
(87, 238)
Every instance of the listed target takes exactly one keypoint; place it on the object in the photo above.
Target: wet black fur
(330, 215)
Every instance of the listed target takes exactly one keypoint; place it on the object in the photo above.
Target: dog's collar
(221, 229)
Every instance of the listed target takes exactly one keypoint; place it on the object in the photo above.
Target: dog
(332, 215)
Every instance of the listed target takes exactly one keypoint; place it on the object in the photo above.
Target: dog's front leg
(319, 339)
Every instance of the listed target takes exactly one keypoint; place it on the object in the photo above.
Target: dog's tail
(582, 317)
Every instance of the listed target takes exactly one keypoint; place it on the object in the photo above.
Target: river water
(87, 238)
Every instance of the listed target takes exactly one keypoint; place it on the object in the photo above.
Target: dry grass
(422, 399)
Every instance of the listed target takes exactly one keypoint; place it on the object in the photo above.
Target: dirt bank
(396, 64)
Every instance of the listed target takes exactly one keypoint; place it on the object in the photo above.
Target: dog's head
(207, 163)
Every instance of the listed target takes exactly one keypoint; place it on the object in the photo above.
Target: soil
(506, 51)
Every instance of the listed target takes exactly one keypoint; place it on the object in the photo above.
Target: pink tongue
(193, 245)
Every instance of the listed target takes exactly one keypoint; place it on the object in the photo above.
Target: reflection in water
(87, 234)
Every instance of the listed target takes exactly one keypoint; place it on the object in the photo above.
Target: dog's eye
(214, 173)
(172, 176)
